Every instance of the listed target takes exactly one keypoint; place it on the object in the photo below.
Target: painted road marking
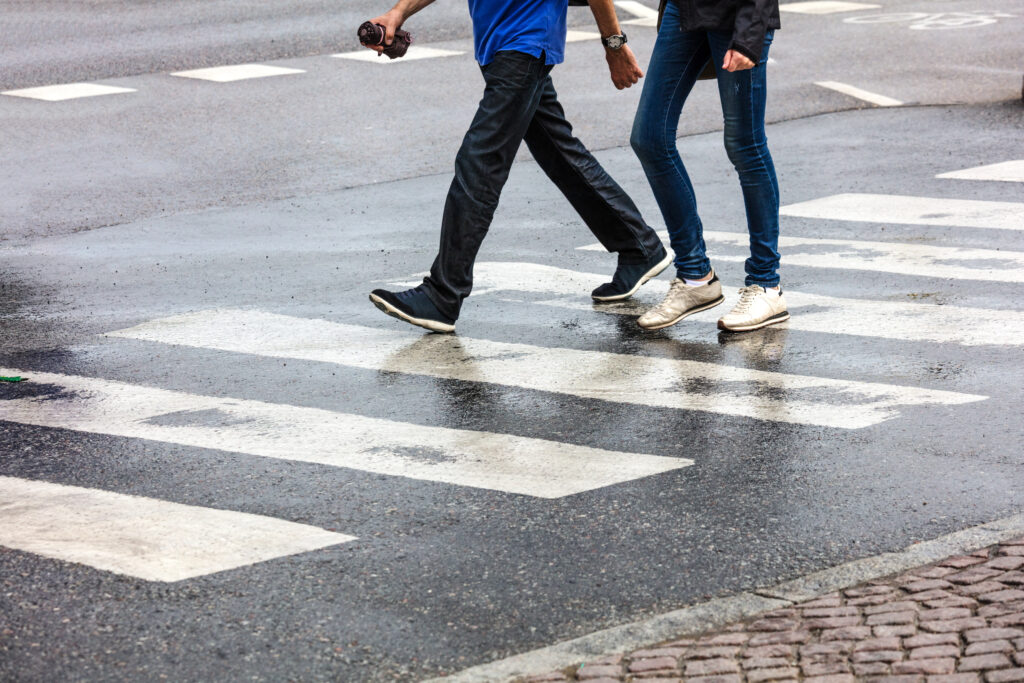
(621, 378)
(903, 210)
(853, 91)
(1007, 171)
(921, 260)
(415, 52)
(824, 7)
(579, 36)
(901, 320)
(237, 72)
(924, 21)
(149, 539)
(645, 16)
(68, 91)
(500, 462)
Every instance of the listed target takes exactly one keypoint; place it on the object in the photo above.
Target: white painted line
(622, 378)
(579, 36)
(149, 539)
(903, 210)
(645, 16)
(415, 52)
(500, 462)
(900, 320)
(824, 7)
(1006, 171)
(919, 260)
(68, 91)
(637, 9)
(852, 91)
(237, 72)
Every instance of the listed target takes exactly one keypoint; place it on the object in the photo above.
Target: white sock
(773, 291)
(696, 283)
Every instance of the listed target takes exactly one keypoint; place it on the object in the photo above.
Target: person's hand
(736, 61)
(624, 68)
(391, 21)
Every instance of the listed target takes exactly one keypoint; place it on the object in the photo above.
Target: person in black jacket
(728, 40)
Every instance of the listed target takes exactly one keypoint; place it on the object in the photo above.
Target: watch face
(614, 42)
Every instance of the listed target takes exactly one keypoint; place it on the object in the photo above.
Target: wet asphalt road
(443, 576)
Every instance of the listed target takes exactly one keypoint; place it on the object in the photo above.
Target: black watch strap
(614, 41)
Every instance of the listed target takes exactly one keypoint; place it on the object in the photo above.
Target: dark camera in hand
(374, 34)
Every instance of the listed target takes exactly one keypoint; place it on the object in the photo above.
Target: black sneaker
(413, 306)
(630, 276)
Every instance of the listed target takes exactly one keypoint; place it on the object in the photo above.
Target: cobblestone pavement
(960, 620)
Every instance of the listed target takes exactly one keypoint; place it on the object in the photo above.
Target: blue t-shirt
(530, 26)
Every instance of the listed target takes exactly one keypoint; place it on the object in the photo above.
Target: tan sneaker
(682, 300)
(756, 308)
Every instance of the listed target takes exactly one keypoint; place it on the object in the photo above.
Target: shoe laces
(674, 288)
(748, 295)
(409, 293)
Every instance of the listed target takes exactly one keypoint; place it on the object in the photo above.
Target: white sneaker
(758, 307)
(682, 300)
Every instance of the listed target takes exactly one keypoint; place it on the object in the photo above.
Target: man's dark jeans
(520, 103)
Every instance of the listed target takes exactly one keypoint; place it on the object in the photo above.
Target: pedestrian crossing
(498, 462)
(414, 53)
(824, 7)
(67, 91)
(919, 260)
(897, 320)
(622, 378)
(237, 72)
(1006, 171)
(157, 540)
(149, 539)
(903, 210)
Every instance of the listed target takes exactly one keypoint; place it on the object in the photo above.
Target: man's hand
(736, 61)
(391, 21)
(623, 66)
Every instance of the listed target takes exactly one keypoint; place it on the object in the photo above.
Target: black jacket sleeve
(754, 18)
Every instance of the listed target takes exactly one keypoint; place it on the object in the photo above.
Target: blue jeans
(679, 57)
(520, 104)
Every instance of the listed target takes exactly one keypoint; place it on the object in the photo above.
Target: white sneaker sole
(777, 318)
(685, 314)
(649, 275)
(432, 325)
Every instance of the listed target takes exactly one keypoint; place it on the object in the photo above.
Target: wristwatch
(614, 41)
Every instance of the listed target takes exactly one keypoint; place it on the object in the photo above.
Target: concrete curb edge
(722, 611)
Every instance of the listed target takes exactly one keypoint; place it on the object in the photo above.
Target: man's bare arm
(393, 19)
(622, 64)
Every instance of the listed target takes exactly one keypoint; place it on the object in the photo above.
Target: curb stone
(797, 637)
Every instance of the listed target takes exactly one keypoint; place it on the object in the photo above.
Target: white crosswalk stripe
(643, 15)
(921, 260)
(500, 462)
(900, 320)
(904, 210)
(621, 378)
(414, 53)
(1006, 171)
(824, 7)
(237, 72)
(150, 539)
(860, 93)
(67, 91)
(580, 36)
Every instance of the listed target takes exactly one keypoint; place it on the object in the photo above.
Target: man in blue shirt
(517, 43)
